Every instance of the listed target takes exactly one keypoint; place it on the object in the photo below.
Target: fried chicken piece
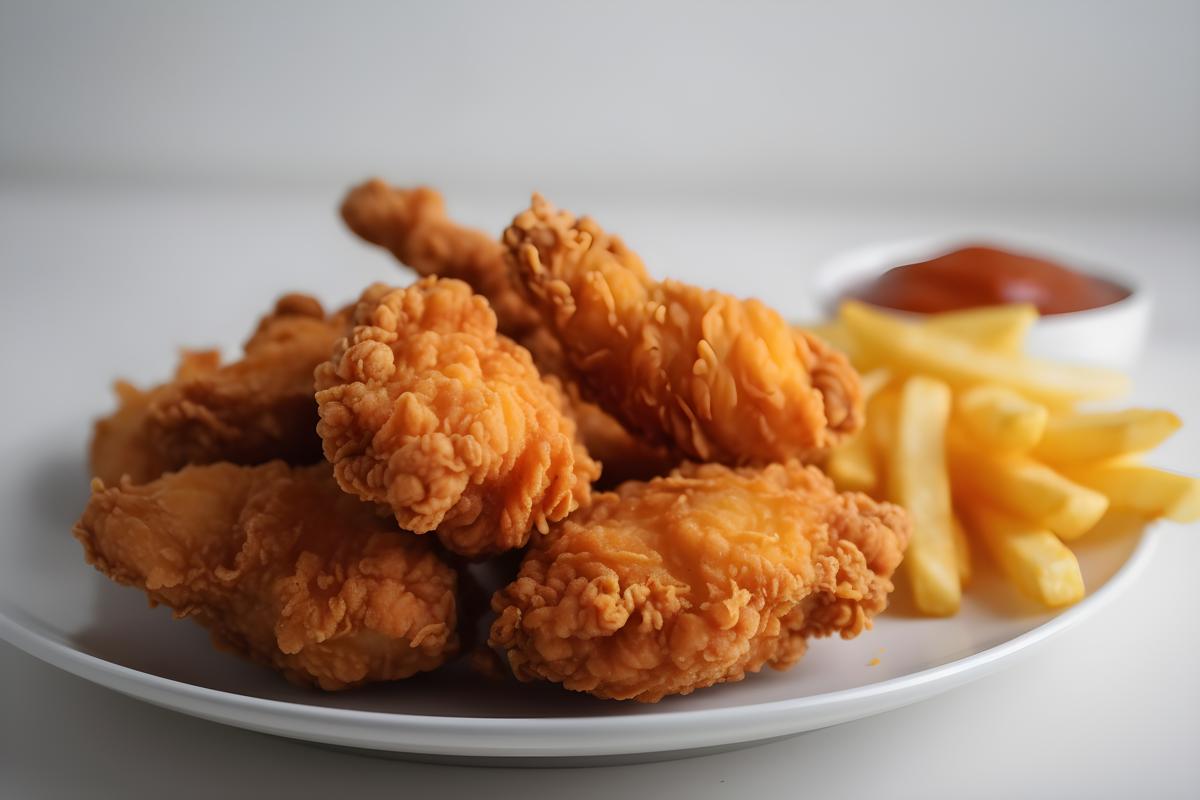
(696, 579)
(281, 567)
(122, 443)
(247, 412)
(622, 456)
(261, 407)
(719, 379)
(426, 408)
(413, 225)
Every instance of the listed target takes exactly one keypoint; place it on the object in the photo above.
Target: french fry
(852, 464)
(880, 428)
(962, 550)
(874, 382)
(833, 333)
(1026, 489)
(1031, 557)
(1001, 419)
(917, 480)
(1097, 436)
(1026, 470)
(1143, 490)
(1000, 329)
(1128, 459)
(909, 348)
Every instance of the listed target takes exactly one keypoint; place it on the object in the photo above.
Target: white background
(1057, 101)
(178, 163)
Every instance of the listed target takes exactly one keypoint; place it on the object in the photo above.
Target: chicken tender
(426, 409)
(695, 579)
(717, 378)
(246, 412)
(282, 567)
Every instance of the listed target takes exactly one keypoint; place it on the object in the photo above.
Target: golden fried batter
(425, 408)
(247, 412)
(281, 567)
(719, 379)
(698, 578)
(413, 225)
(622, 456)
(122, 443)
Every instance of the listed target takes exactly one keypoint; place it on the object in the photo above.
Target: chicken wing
(719, 379)
(425, 408)
(282, 567)
(697, 578)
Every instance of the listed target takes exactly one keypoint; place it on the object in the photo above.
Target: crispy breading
(719, 379)
(281, 567)
(122, 444)
(622, 456)
(697, 578)
(413, 225)
(252, 410)
(425, 408)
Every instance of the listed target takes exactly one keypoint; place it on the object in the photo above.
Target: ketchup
(984, 276)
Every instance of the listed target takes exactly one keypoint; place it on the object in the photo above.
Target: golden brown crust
(425, 408)
(695, 579)
(281, 567)
(413, 225)
(719, 379)
(622, 456)
(249, 411)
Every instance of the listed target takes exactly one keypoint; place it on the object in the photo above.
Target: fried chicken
(424, 407)
(282, 567)
(622, 457)
(413, 225)
(717, 378)
(696, 579)
(247, 412)
(122, 443)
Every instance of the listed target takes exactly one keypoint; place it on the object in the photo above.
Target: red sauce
(984, 276)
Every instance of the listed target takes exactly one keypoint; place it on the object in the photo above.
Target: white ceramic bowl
(1110, 336)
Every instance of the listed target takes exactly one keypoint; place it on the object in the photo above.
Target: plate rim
(654, 732)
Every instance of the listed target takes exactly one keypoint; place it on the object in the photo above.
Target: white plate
(55, 607)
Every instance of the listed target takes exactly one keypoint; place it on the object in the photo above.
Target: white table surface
(1109, 709)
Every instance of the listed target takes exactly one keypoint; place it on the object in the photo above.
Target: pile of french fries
(988, 448)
